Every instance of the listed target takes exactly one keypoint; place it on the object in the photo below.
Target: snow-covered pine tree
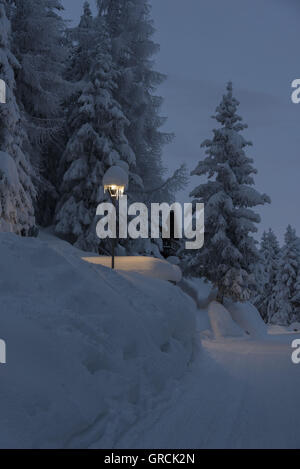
(97, 140)
(296, 300)
(269, 255)
(131, 28)
(82, 37)
(285, 298)
(230, 250)
(38, 32)
(16, 190)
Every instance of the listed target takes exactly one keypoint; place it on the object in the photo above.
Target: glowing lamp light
(115, 181)
(115, 191)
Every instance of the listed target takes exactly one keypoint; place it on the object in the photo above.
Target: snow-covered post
(115, 181)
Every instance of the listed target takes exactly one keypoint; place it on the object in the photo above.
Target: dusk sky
(205, 43)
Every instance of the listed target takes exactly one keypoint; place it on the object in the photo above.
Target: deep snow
(103, 359)
(238, 394)
(89, 351)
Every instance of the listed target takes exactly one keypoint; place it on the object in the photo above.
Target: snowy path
(239, 394)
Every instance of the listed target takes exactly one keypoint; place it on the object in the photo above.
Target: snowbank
(294, 327)
(115, 176)
(147, 266)
(248, 318)
(221, 322)
(200, 290)
(275, 329)
(89, 351)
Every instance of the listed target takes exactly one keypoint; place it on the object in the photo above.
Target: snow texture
(9, 170)
(115, 176)
(89, 351)
(248, 318)
(147, 266)
(222, 323)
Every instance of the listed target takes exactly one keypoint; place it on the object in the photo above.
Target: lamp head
(115, 181)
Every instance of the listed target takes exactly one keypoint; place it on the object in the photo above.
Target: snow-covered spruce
(267, 271)
(131, 29)
(230, 249)
(97, 141)
(40, 46)
(296, 299)
(16, 189)
(284, 306)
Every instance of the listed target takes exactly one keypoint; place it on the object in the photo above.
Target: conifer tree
(286, 290)
(230, 250)
(269, 254)
(97, 137)
(16, 189)
(131, 29)
(296, 300)
(38, 32)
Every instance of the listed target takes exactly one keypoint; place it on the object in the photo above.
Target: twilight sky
(254, 43)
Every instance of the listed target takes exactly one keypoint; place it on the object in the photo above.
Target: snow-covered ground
(147, 266)
(238, 394)
(97, 358)
(89, 351)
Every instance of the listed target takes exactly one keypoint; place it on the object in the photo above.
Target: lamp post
(115, 181)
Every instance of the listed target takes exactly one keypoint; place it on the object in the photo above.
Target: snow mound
(275, 329)
(148, 266)
(89, 351)
(294, 327)
(200, 290)
(221, 322)
(248, 318)
(173, 260)
(115, 176)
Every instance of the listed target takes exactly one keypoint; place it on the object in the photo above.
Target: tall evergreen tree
(230, 250)
(38, 31)
(269, 253)
(131, 29)
(285, 296)
(83, 38)
(296, 300)
(16, 189)
(97, 137)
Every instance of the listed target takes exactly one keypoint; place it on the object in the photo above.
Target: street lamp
(115, 181)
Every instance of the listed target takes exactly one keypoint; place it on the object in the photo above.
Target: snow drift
(221, 322)
(89, 350)
(248, 318)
